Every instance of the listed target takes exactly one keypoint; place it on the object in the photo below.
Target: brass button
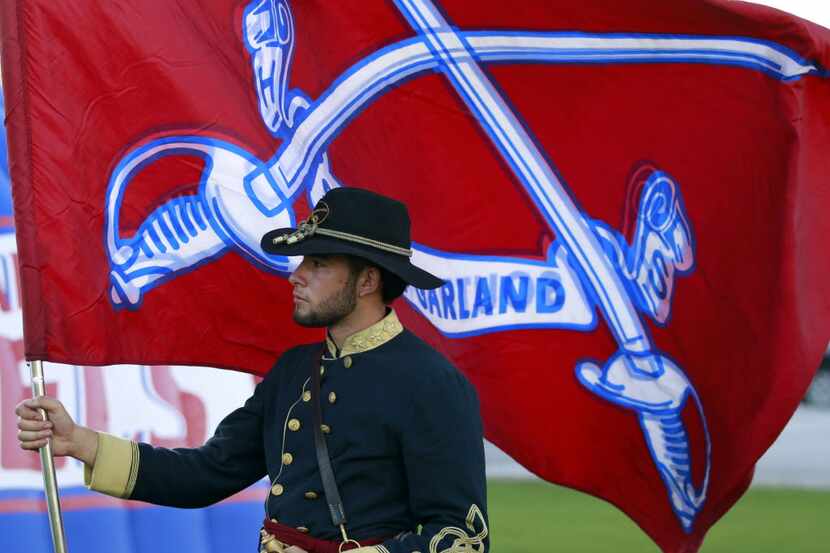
(325, 428)
(274, 520)
(294, 425)
(322, 370)
(347, 361)
(332, 397)
(302, 529)
(277, 489)
(306, 396)
(287, 458)
(310, 495)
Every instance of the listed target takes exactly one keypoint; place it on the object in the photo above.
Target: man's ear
(369, 281)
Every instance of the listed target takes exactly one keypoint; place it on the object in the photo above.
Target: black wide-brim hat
(353, 221)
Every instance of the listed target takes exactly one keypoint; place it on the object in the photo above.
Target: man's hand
(67, 437)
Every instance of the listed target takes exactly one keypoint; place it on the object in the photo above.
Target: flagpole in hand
(47, 462)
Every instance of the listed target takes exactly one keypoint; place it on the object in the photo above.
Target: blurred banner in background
(161, 404)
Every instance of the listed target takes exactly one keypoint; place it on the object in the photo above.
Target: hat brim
(396, 264)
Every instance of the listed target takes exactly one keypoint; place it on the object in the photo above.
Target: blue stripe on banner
(235, 526)
(25, 533)
(217, 529)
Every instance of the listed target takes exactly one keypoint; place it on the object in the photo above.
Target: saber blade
(521, 152)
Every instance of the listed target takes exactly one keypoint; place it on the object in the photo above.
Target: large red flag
(627, 203)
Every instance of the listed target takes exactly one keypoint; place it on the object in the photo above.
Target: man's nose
(297, 278)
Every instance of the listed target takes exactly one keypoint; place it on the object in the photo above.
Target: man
(399, 425)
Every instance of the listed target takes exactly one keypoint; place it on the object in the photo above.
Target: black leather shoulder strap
(338, 514)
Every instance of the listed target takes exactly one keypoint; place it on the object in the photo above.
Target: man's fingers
(33, 439)
(26, 436)
(37, 444)
(25, 412)
(34, 425)
(44, 402)
(34, 432)
(29, 409)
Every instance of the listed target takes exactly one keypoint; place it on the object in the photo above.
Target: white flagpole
(50, 479)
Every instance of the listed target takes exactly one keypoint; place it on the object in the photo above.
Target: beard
(330, 310)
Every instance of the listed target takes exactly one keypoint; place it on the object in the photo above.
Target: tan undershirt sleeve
(116, 467)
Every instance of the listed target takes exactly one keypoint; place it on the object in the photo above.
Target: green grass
(536, 517)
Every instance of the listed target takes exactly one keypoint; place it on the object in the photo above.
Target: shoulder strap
(338, 514)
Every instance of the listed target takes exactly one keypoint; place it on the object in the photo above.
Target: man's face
(325, 290)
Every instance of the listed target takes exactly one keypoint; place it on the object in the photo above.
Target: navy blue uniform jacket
(403, 431)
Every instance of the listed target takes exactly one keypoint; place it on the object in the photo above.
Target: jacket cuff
(116, 467)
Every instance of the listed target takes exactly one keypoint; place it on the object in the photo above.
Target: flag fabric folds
(132, 401)
(627, 204)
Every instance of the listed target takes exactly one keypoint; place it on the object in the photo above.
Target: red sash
(292, 536)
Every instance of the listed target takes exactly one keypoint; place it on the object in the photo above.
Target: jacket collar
(368, 338)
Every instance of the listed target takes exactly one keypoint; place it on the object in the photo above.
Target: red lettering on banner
(16, 283)
(7, 282)
(5, 302)
(97, 415)
(189, 405)
(10, 282)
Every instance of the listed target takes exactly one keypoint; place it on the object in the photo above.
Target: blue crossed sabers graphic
(241, 197)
